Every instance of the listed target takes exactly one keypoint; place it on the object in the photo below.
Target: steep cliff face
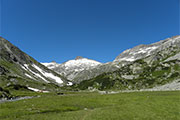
(16, 67)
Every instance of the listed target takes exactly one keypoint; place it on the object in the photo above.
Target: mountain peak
(78, 57)
(53, 62)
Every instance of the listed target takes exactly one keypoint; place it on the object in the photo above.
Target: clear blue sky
(59, 30)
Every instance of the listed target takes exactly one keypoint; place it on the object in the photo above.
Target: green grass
(93, 106)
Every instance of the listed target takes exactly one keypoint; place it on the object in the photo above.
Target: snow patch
(36, 74)
(128, 59)
(133, 55)
(33, 89)
(49, 75)
(29, 76)
(70, 83)
(24, 67)
(37, 90)
(147, 50)
(51, 65)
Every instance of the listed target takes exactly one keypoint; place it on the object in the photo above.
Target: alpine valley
(154, 67)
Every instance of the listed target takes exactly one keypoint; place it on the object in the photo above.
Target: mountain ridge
(143, 66)
(19, 68)
(125, 58)
(146, 69)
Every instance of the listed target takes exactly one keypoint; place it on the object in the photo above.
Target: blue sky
(59, 30)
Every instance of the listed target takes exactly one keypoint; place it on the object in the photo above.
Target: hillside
(18, 68)
(144, 66)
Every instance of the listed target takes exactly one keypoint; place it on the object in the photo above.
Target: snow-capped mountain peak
(72, 68)
(81, 62)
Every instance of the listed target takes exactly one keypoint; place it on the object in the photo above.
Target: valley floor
(156, 105)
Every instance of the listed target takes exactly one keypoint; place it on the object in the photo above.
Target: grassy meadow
(164, 105)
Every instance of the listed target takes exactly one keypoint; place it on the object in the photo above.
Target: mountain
(79, 70)
(73, 69)
(143, 51)
(144, 66)
(18, 68)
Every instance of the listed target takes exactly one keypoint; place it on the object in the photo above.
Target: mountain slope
(72, 69)
(143, 51)
(16, 67)
(144, 66)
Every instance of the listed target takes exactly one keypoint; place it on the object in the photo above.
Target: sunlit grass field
(94, 106)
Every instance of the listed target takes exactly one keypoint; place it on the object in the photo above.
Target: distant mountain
(16, 67)
(72, 68)
(144, 66)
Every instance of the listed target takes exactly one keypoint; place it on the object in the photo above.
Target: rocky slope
(73, 69)
(143, 51)
(16, 67)
(144, 66)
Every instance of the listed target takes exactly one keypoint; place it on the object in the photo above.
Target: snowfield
(37, 90)
(49, 75)
(72, 68)
(36, 74)
(43, 74)
(83, 61)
